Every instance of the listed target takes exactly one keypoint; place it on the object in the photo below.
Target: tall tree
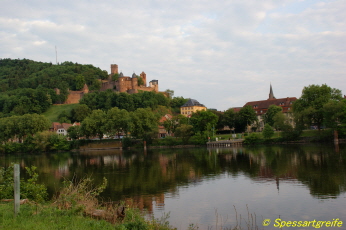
(247, 115)
(271, 112)
(93, 125)
(145, 123)
(203, 120)
(308, 109)
(117, 121)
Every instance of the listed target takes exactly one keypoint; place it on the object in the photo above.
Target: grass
(46, 217)
(76, 207)
(53, 112)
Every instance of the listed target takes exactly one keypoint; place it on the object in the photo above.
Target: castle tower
(144, 77)
(271, 94)
(114, 69)
(134, 83)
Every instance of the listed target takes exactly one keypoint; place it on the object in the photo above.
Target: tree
(308, 109)
(229, 118)
(335, 115)
(170, 93)
(184, 132)
(93, 125)
(271, 112)
(247, 115)
(268, 131)
(117, 121)
(74, 132)
(145, 123)
(64, 117)
(140, 81)
(203, 121)
(80, 82)
(80, 112)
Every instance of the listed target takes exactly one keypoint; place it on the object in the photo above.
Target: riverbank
(47, 216)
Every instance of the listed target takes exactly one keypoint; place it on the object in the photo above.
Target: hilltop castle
(117, 82)
(120, 83)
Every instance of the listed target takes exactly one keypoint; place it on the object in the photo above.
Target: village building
(261, 107)
(61, 128)
(162, 131)
(190, 107)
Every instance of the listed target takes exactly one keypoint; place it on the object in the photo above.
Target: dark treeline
(130, 102)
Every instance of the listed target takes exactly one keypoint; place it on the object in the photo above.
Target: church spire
(271, 94)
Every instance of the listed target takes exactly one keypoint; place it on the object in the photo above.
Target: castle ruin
(120, 83)
(117, 82)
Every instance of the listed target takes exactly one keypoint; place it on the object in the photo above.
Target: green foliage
(74, 132)
(140, 81)
(247, 116)
(270, 114)
(28, 87)
(54, 111)
(80, 112)
(29, 188)
(64, 117)
(334, 113)
(308, 109)
(203, 121)
(117, 122)
(20, 126)
(253, 138)
(199, 139)
(184, 132)
(115, 77)
(80, 82)
(170, 93)
(108, 99)
(46, 141)
(80, 196)
(93, 125)
(144, 124)
(268, 131)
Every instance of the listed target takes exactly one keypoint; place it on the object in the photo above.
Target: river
(212, 188)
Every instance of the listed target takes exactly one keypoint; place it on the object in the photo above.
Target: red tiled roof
(56, 125)
(262, 106)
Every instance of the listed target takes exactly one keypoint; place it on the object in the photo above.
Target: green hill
(28, 86)
(53, 112)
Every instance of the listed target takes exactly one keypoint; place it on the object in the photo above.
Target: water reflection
(148, 178)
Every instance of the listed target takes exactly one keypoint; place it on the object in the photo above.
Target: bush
(29, 188)
(268, 131)
(253, 138)
(198, 139)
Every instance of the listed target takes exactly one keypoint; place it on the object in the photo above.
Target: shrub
(253, 138)
(29, 188)
(268, 131)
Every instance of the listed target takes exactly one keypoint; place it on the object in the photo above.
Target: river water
(212, 188)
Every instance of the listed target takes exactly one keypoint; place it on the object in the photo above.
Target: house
(162, 131)
(261, 107)
(61, 128)
(190, 107)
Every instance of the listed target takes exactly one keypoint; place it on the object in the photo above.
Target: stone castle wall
(123, 84)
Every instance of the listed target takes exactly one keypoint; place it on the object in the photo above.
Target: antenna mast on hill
(56, 55)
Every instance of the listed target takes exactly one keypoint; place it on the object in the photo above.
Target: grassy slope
(53, 112)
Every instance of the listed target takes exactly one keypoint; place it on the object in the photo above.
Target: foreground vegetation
(76, 206)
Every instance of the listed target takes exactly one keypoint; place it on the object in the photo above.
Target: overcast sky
(221, 53)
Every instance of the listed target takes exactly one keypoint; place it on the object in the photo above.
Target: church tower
(271, 94)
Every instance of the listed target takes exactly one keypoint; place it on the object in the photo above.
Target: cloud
(222, 53)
